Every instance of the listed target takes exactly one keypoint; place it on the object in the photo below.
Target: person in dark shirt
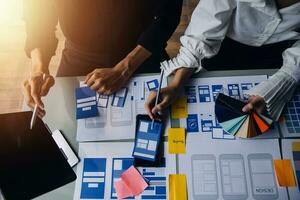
(106, 40)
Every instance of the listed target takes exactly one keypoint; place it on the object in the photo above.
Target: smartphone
(204, 177)
(262, 176)
(160, 159)
(233, 177)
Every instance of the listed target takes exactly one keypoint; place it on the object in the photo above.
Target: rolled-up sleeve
(280, 87)
(163, 25)
(40, 17)
(202, 39)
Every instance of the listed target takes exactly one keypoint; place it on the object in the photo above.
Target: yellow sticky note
(179, 108)
(285, 173)
(296, 146)
(176, 140)
(177, 187)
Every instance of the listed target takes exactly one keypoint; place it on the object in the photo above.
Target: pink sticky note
(134, 180)
(131, 184)
(122, 190)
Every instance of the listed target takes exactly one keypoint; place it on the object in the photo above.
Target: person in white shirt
(239, 34)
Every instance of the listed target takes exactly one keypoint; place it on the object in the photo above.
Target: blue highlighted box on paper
(190, 92)
(119, 165)
(204, 93)
(192, 123)
(86, 103)
(119, 98)
(93, 178)
(147, 140)
(152, 85)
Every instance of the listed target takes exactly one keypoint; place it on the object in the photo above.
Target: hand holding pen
(35, 87)
(163, 98)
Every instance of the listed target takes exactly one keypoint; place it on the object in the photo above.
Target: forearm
(181, 76)
(40, 62)
(133, 60)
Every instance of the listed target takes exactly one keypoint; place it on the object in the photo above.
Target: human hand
(256, 103)
(106, 80)
(36, 87)
(167, 96)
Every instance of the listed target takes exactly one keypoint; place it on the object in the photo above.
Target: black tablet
(31, 163)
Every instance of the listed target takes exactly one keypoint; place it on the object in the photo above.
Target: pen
(158, 91)
(34, 113)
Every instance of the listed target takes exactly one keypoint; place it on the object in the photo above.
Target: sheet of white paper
(287, 153)
(201, 103)
(111, 159)
(115, 123)
(231, 169)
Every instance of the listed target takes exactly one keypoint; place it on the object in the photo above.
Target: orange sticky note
(177, 187)
(179, 108)
(285, 173)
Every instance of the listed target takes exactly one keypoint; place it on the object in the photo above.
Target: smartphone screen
(144, 143)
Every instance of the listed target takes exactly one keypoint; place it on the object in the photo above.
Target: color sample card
(119, 98)
(176, 140)
(86, 103)
(147, 140)
(285, 173)
(234, 121)
(179, 108)
(177, 187)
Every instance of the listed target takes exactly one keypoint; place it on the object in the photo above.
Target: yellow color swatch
(177, 187)
(296, 146)
(179, 108)
(285, 173)
(176, 140)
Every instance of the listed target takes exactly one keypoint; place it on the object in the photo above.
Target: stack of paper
(234, 121)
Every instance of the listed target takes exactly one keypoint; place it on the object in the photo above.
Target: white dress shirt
(251, 22)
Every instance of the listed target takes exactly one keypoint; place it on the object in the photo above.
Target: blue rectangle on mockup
(93, 178)
(152, 85)
(86, 103)
(147, 140)
(190, 92)
(192, 123)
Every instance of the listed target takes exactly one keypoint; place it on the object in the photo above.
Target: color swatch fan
(238, 123)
